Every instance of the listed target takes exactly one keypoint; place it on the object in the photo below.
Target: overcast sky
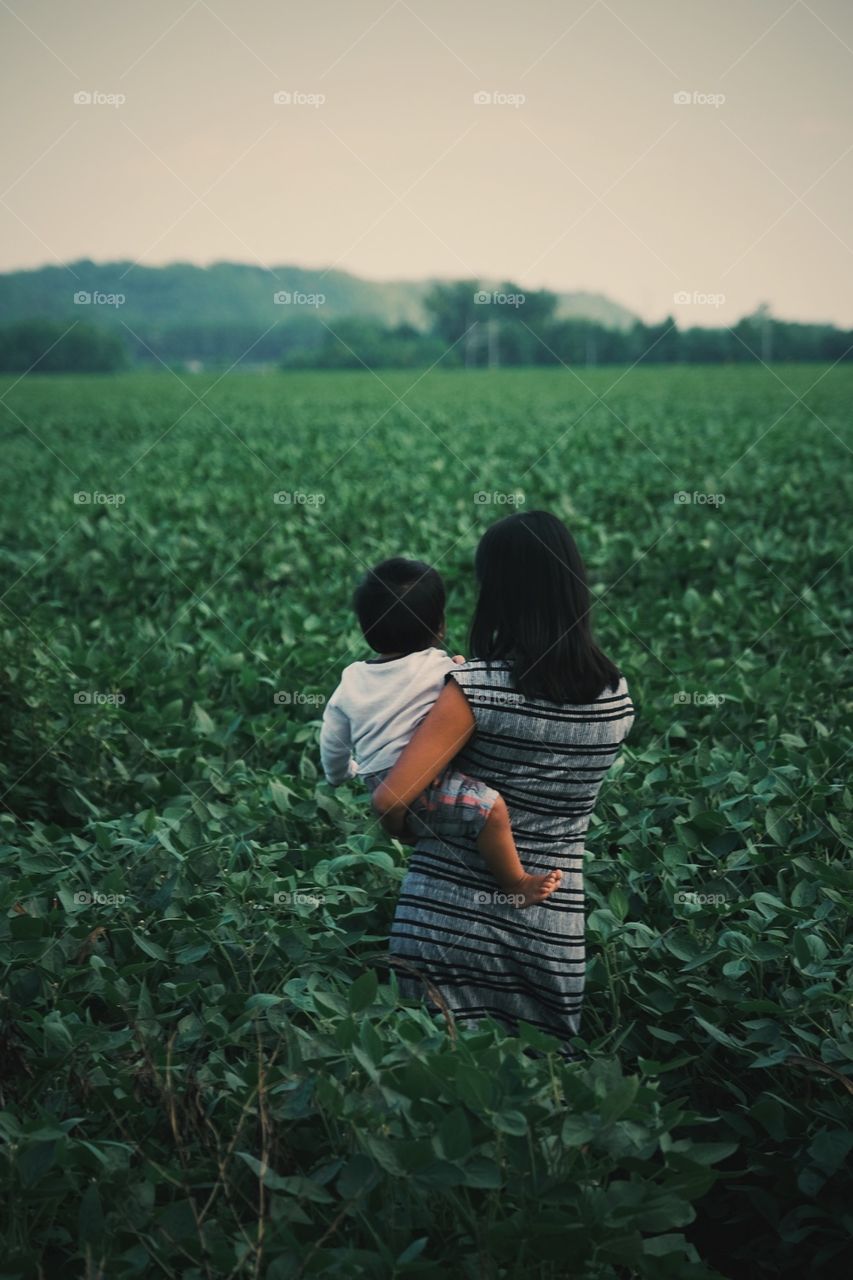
(584, 174)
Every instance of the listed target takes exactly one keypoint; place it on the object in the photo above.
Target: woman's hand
(393, 822)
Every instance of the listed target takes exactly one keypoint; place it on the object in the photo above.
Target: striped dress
(487, 958)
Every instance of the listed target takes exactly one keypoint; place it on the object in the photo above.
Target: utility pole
(494, 337)
(470, 344)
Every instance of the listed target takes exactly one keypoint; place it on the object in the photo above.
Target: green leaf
(35, 1160)
(414, 1250)
(509, 1121)
(454, 1135)
(56, 1033)
(482, 1172)
(202, 721)
(617, 900)
(91, 1216)
(280, 795)
(716, 1033)
(362, 993)
(151, 949)
(830, 1149)
(359, 1176)
(577, 1131)
(302, 1188)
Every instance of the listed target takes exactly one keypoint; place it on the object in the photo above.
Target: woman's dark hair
(400, 605)
(534, 610)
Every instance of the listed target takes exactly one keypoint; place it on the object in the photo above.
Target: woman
(538, 713)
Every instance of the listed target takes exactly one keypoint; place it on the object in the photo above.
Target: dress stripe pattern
(487, 958)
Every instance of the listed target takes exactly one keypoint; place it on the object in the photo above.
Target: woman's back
(453, 923)
(547, 759)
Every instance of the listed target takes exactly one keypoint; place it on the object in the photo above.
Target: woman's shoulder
(494, 673)
(486, 683)
(489, 685)
(615, 693)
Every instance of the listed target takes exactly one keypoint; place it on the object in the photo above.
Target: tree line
(467, 326)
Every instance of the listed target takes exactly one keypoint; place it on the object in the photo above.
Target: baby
(379, 703)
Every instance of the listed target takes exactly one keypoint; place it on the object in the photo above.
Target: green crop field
(206, 1069)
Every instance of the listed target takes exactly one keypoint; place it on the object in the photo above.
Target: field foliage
(206, 1068)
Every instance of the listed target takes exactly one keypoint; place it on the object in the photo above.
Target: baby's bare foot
(532, 889)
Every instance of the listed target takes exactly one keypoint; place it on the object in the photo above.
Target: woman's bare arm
(443, 733)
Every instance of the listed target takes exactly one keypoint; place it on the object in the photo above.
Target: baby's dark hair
(400, 605)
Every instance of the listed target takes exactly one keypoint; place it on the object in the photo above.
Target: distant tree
(453, 308)
(492, 326)
(49, 346)
(655, 343)
(707, 346)
(357, 343)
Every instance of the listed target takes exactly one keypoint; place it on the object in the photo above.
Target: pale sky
(597, 180)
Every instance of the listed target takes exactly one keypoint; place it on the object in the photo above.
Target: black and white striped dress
(487, 958)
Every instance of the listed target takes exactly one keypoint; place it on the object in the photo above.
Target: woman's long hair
(534, 610)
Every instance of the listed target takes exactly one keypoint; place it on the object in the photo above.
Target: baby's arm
(336, 746)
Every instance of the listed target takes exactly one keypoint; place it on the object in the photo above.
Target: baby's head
(400, 606)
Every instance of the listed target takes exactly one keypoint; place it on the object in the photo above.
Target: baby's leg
(456, 804)
(496, 844)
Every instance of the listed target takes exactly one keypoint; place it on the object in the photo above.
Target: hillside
(233, 294)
